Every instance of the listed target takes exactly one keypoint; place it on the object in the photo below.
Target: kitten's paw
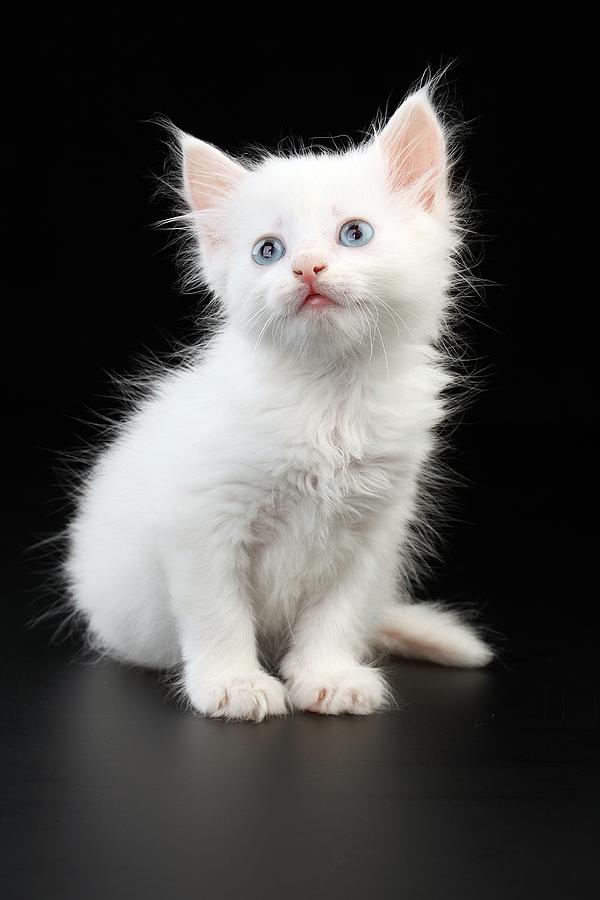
(250, 697)
(358, 691)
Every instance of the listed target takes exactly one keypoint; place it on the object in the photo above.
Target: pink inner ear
(209, 174)
(413, 143)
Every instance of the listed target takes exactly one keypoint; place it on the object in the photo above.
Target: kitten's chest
(332, 479)
(335, 475)
(351, 450)
(308, 529)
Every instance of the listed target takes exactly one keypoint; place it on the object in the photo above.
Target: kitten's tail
(432, 632)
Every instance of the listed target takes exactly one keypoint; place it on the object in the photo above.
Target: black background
(94, 287)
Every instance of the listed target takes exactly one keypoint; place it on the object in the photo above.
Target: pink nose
(308, 268)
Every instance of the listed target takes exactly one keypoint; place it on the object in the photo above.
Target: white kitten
(262, 494)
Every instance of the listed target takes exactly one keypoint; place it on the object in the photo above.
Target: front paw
(251, 697)
(358, 691)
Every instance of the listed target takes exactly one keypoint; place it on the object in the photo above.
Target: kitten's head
(325, 253)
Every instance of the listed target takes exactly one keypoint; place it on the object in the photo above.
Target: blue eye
(268, 250)
(356, 233)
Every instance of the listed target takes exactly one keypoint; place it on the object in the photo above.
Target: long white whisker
(258, 340)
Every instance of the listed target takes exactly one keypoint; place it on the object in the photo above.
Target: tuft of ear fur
(208, 174)
(414, 148)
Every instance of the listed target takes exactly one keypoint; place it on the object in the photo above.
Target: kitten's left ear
(414, 148)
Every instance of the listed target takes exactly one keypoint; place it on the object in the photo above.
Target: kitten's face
(329, 254)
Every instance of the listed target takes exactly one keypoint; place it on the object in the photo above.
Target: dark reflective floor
(481, 785)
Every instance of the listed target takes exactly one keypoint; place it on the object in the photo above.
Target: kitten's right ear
(209, 175)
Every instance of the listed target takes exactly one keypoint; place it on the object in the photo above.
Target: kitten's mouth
(317, 301)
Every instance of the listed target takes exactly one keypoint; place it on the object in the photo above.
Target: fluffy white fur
(262, 495)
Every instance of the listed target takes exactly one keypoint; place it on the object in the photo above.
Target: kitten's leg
(222, 675)
(429, 631)
(325, 667)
